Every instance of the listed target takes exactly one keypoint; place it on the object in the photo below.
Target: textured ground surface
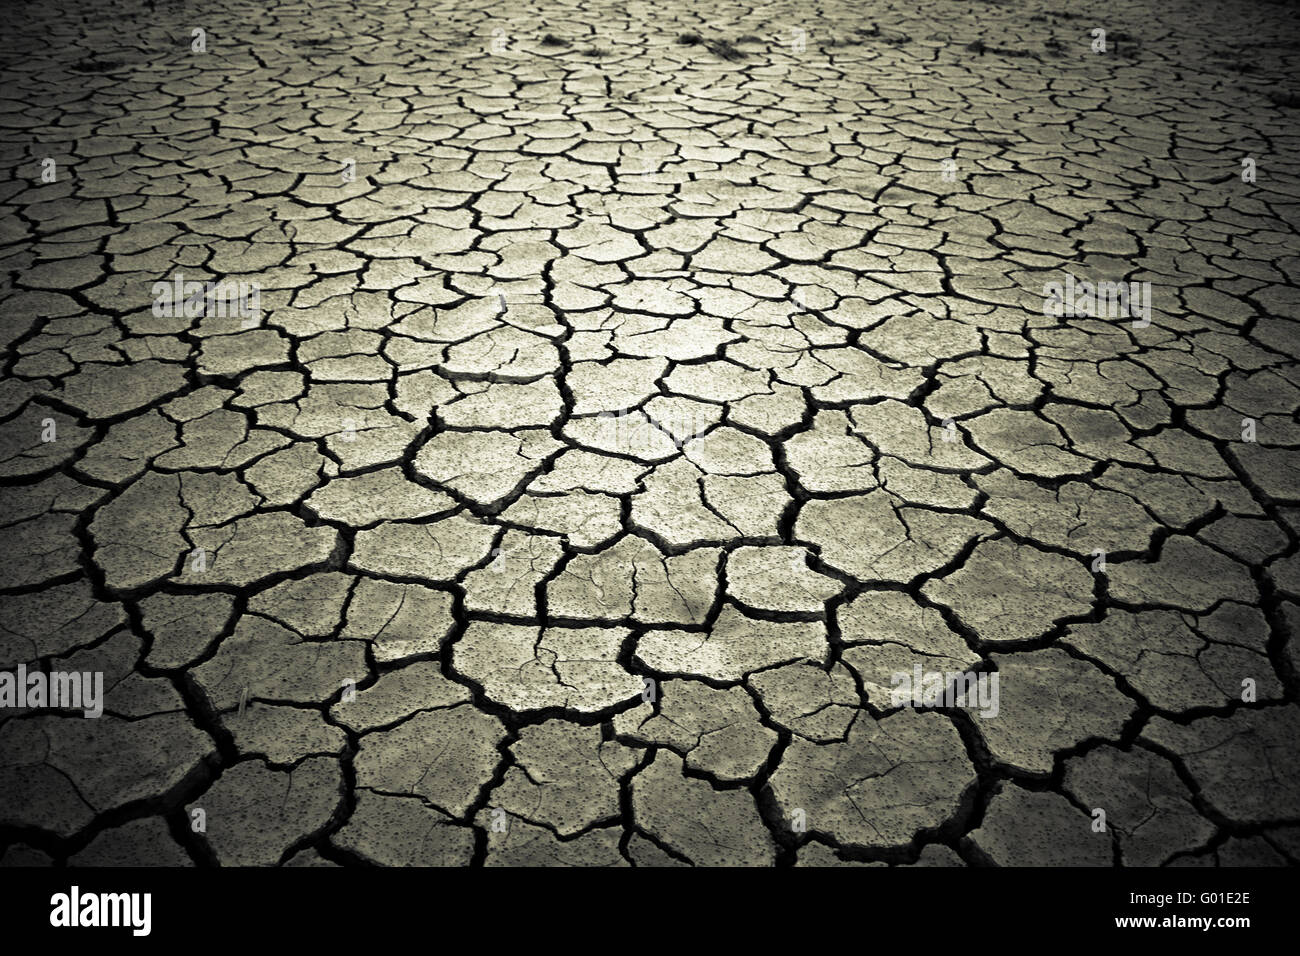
(650, 396)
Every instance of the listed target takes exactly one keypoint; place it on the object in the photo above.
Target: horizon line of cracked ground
(650, 397)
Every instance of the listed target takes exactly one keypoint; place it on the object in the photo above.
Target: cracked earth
(636, 390)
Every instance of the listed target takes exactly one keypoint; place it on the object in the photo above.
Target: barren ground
(633, 391)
